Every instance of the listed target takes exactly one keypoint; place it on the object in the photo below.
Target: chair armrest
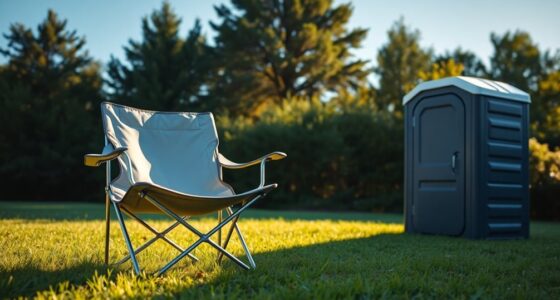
(231, 165)
(226, 163)
(95, 160)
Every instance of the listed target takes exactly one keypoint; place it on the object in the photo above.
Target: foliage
(280, 75)
(545, 109)
(164, 71)
(442, 69)
(399, 63)
(472, 65)
(516, 60)
(298, 255)
(545, 180)
(345, 160)
(271, 50)
(49, 93)
(546, 164)
(300, 128)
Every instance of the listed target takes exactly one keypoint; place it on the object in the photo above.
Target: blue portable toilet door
(438, 204)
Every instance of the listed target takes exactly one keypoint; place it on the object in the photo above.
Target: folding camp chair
(170, 164)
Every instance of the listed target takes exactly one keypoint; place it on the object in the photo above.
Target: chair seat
(181, 203)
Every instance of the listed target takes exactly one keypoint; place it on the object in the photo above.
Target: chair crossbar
(232, 218)
(203, 237)
(154, 231)
(158, 235)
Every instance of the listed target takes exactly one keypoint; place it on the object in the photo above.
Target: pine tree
(400, 63)
(50, 90)
(271, 50)
(163, 71)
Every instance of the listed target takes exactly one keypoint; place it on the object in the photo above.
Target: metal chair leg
(241, 239)
(228, 237)
(107, 227)
(203, 237)
(219, 232)
(127, 239)
(107, 209)
(243, 243)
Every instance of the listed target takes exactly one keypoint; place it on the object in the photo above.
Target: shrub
(545, 180)
(336, 160)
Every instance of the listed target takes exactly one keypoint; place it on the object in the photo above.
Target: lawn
(56, 250)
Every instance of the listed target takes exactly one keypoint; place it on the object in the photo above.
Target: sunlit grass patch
(296, 258)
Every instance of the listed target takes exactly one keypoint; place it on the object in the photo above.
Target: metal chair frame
(232, 217)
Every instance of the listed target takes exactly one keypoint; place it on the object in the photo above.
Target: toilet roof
(472, 85)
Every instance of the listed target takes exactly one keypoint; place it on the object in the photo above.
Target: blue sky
(445, 25)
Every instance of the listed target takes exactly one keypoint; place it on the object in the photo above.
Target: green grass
(56, 250)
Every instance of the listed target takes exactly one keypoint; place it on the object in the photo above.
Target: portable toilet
(466, 159)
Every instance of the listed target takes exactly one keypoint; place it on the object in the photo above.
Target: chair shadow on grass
(315, 262)
(378, 266)
(374, 266)
(29, 279)
(310, 267)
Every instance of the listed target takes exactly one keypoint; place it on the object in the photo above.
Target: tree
(545, 109)
(472, 65)
(164, 71)
(275, 49)
(50, 90)
(442, 69)
(516, 60)
(399, 63)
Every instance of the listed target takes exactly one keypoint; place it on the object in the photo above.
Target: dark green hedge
(349, 160)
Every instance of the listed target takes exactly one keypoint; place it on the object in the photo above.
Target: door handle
(454, 161)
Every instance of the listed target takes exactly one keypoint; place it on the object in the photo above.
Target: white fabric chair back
(175, 150)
